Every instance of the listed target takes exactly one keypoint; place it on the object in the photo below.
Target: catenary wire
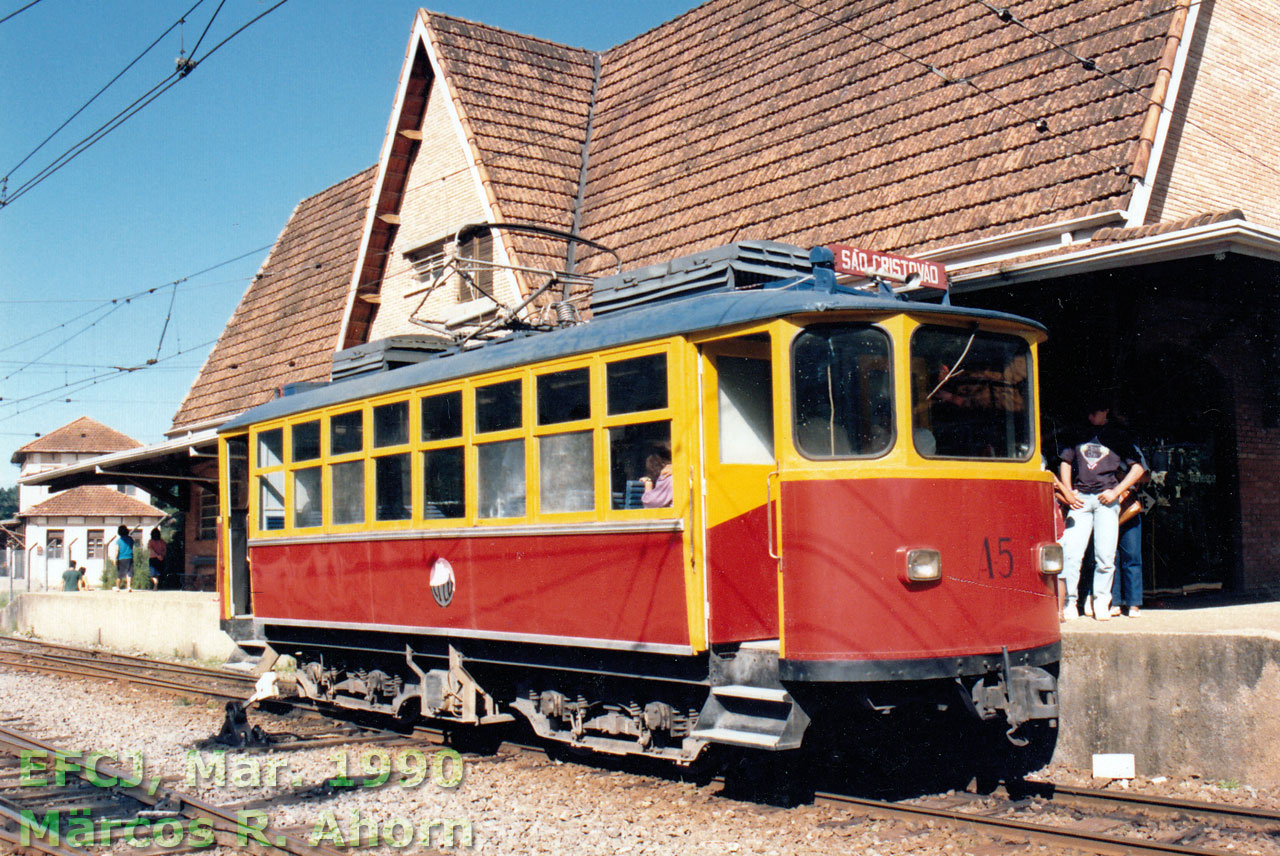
(123, 116)
(19, 11)
(1089, 64)
(108, 85)
(142, 293)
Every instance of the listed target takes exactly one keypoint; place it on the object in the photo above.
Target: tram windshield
(971, 394)
(842, 380)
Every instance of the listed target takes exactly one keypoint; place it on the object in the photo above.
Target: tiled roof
(82, 435)
(524, 103)
(902, 125)
(92, 501)
(287, 323)
(1115, 235)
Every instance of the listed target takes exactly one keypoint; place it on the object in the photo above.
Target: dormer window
(468, 265)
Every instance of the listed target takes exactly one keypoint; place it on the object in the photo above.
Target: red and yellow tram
(845, 509)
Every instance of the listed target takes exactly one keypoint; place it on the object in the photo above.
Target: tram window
(498, 407)
(270, 448)
(500, 479)
(971, 394)
(347, 501)
(391, 424)
(564, 396)
(636, 452)
(392, 487)
(746, 410)
(346, 433)
(637, 384)
(306, 498)
(271, 501)
(566, 472)
(842, 391)
(442, 416)
(443, 483)
(306, 441)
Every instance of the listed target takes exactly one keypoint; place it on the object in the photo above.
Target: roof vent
(746, 264)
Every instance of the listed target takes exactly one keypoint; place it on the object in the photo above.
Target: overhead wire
(135, 295)
(19, 11)
(83, 383)
(95, 96)
(129, 112)
(1089, 64)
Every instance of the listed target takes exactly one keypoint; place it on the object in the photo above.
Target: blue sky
(207, 173)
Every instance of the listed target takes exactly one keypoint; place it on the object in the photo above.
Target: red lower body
(626, 588)
(845, 594)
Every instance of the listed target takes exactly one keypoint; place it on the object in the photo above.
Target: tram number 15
(999, 559)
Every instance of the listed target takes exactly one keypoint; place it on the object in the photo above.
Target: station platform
(1189, 687)
(157, 623)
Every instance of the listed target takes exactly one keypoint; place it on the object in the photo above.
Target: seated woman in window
(657, 479)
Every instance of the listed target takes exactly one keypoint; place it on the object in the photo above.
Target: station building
(1106, 167)
(54, 528)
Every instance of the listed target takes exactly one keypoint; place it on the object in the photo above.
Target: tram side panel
(845, 592)
(618, 587)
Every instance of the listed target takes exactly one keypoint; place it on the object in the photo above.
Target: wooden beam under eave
(411, 134)
(390, 219)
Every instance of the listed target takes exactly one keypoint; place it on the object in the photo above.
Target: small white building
(77, 524)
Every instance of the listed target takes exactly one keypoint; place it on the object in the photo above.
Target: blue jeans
(1126, 590)
(1103, 523)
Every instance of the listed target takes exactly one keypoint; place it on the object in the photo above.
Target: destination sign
(868, 263)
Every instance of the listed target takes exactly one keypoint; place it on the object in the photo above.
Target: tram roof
(660, 320)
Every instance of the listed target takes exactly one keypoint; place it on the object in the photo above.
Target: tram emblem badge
(441, 582)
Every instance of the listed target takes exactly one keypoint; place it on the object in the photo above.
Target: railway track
(95, 805)
(58, 659)
(1084, 820)
(1088, 820)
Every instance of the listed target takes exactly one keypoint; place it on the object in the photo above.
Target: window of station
(93, 544)
(443, 465)
(53, 543)
(842, 390)
(971, 394)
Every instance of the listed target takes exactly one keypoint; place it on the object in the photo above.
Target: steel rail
(1169, 805)
(120, 675)
(153, 792)
(1056, 836)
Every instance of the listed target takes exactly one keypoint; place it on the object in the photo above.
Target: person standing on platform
(1096, 470)
(124, 558)
(156, 549)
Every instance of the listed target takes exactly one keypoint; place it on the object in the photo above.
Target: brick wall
(1227, 118)
(440, 196)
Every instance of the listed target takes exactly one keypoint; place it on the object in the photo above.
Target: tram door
(736, 392)
(237, 532)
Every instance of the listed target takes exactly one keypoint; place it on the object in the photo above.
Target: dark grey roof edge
(706, 311)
